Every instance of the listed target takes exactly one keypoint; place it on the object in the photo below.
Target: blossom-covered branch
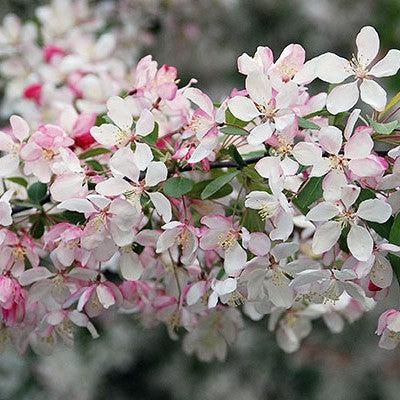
(271, 202)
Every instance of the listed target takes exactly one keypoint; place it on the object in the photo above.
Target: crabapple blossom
(334, 69)
(125, 191)
(388, 329)
(359, 239)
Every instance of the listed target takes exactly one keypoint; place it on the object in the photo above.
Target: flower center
(183, 238)
(123, 137)
(338, 162)
(19, 253)
(48, 154)
(199, 124)
(226, 241)
(287, 71)
(357, 68)
(267, 210)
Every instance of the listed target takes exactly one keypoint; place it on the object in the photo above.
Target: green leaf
(234, 130)
(153, 137)
(311, 192)
(230, 119)
(217, 184)
(93, 153)
(18, 180)
(383, 128)
(306, 124)
(221, 273)
(394, 238)
(198, 188)
(252, 221)
(25, 204)
(340, 119)
(235, 155)
(177, 186)
(37, 192)
(74, 217)
(250, 172)
(100, 119)
(37, 229)
(321, 113)
(343, 239)
(95, 165)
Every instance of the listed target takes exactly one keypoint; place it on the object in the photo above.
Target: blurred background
(203, 39)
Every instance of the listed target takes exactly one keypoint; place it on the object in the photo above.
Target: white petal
(105, 296)
(259, 134)
(332, 68)
(113, 187)
(331, 139)
(365, 167)
(166, 240)
(119, 112)
(283, 226)
(367, 45)
(257, 199)
(19, 127)
(243, 108)
(349, 195)
(269, 167)
(321, 168)
(235, 259)
(351, 121)
(130, 265)
(279, 291)
(388, 66)
(387, 341)
(8, 164)
(374, 210)
(326, 236)
(342, 97)
(123, 163)
(308, 72)
(307, 153)
(33, 275)
(284, 119)
(359, 145)
(259, 88)
(322, 212)
(79, 205)
(5, 214)
(226, 286)
(381, 272)
(360, 243)
(284, 250)
(333, 184)
(106, 134)
(195, 292)
(373, 94)
(68, 186)
(143, 155)
(288, 95)
(204, 149)
(156, 172)
(259, 243)
(200, 99)
(145, 123)
(162, 205)
(124, 214)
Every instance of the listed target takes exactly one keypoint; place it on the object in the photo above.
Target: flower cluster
(152, 199)
(71, 56)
